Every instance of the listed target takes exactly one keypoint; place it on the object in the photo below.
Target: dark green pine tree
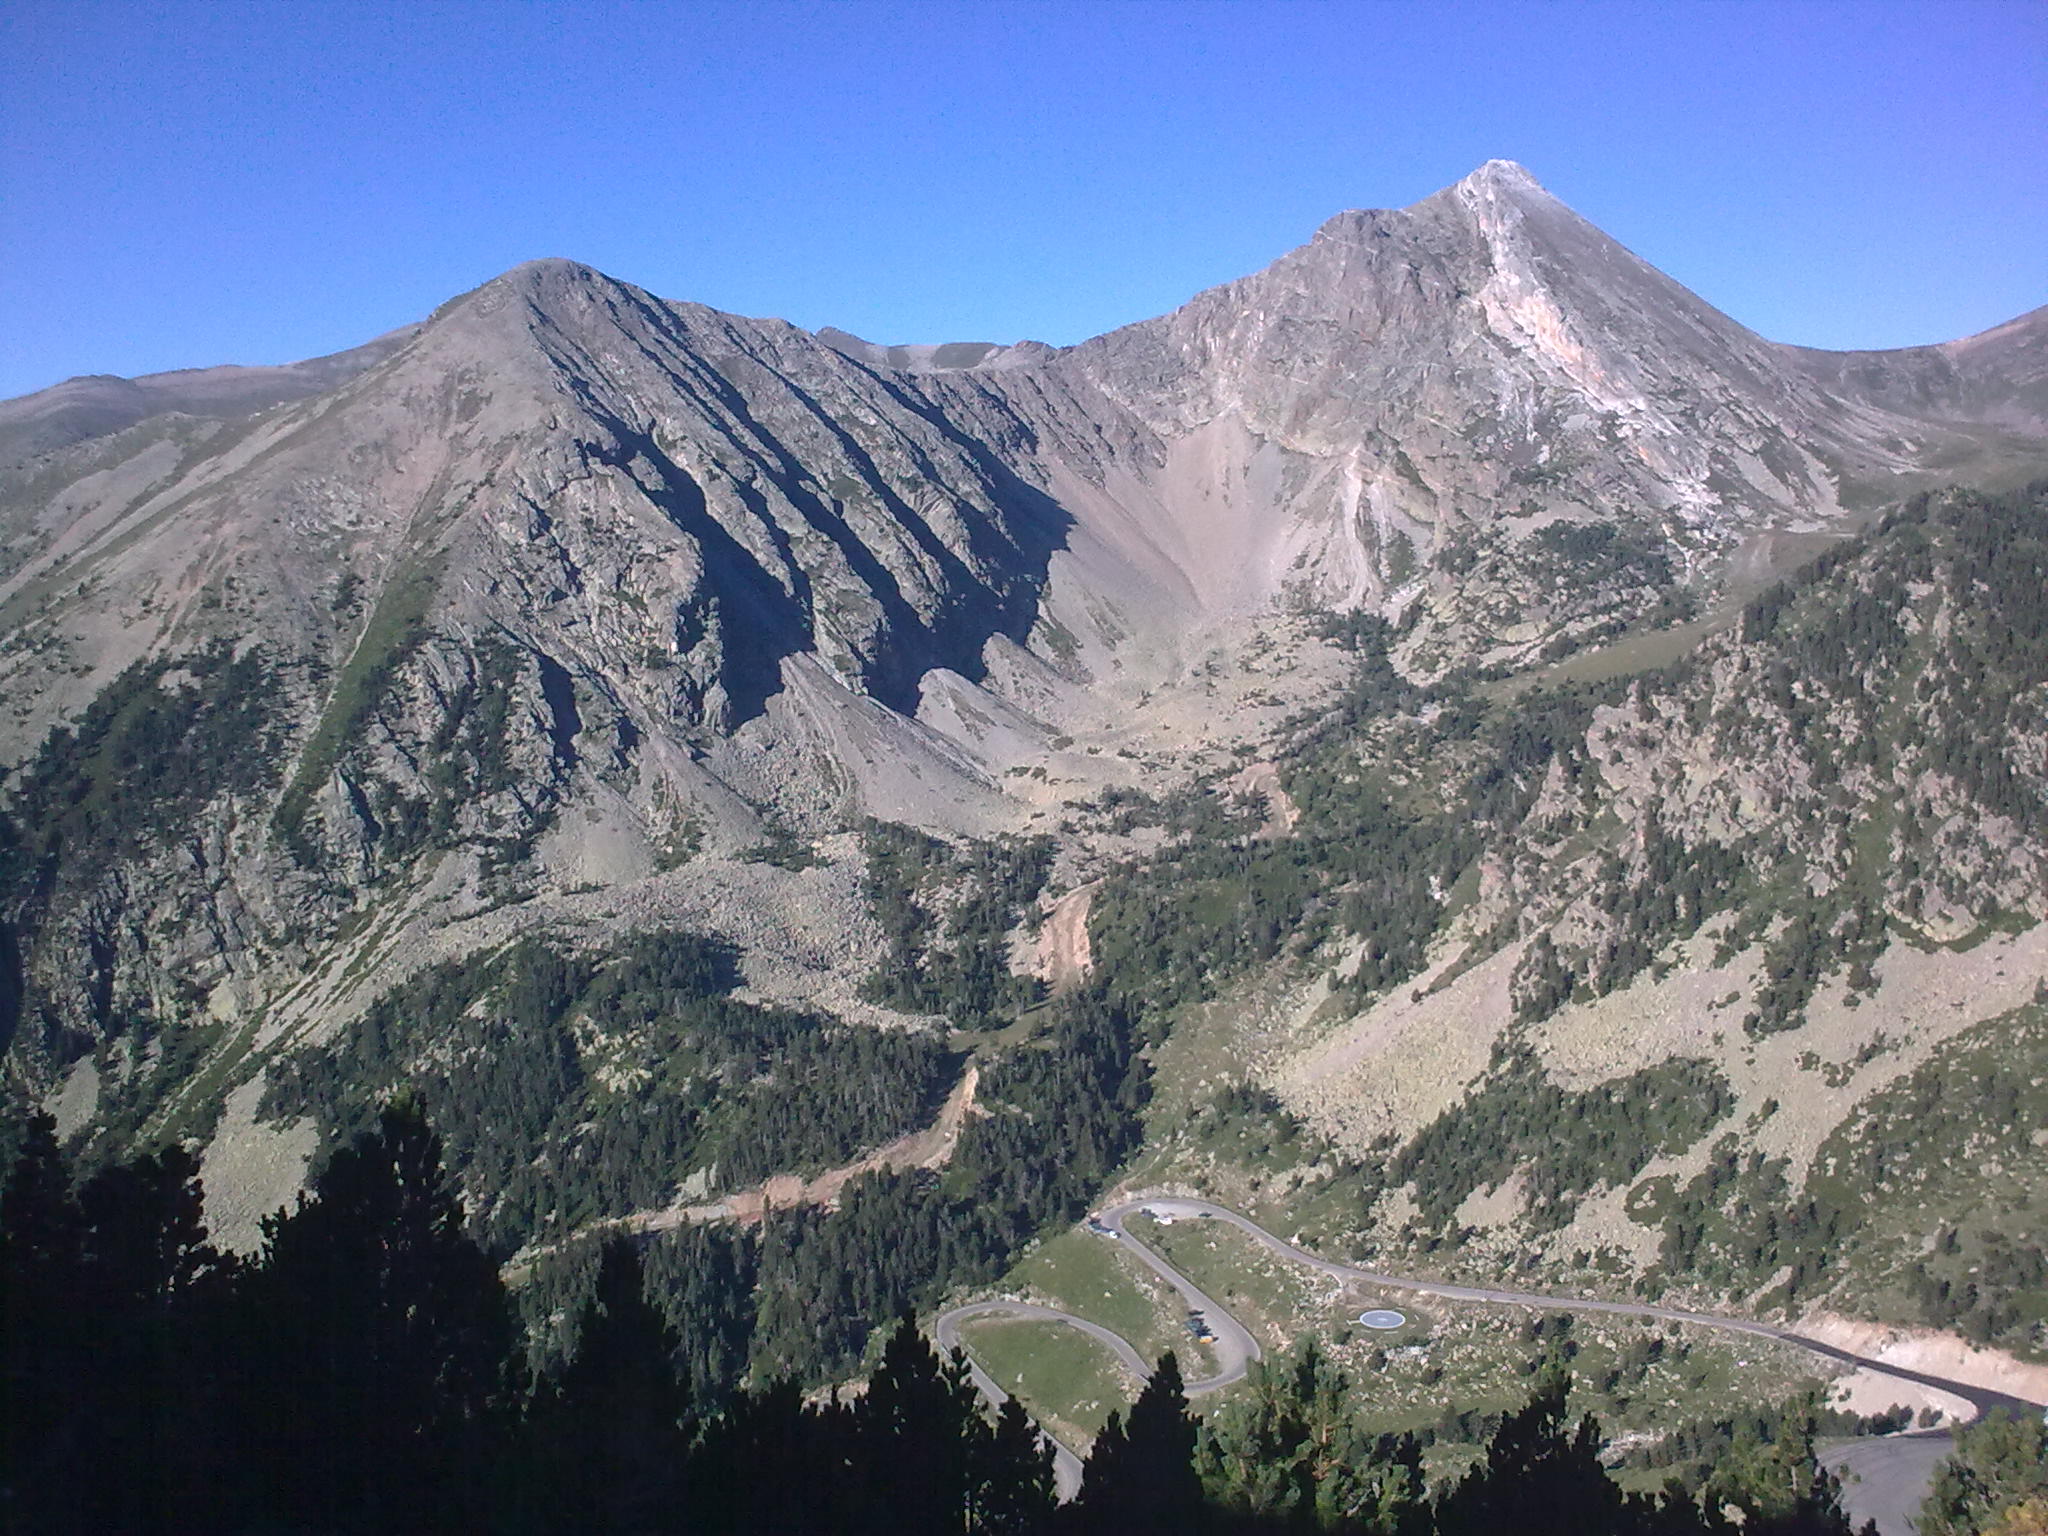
(1780, 1487)
(144, 1232)
(1540, 1477)
(1140, 1475)
(378, 1344)
(45, 1337)
(154, 1284)
(1288, 1451)
(772, 1462)
(104, 1300)
(1012, 1477)
(606, 1438)
(1999, 1462)
(918, 1412)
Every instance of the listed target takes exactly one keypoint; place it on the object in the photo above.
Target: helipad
(1382, 1318)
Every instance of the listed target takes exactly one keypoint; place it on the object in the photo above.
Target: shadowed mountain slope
(559, 608)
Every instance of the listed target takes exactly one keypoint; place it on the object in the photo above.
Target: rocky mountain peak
(540, 280)
(1504, 176)
(550, 609)
(1495, 181)
(551, 293)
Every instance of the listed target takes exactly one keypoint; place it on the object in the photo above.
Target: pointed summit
(1503, 176)
(574, 595)
(544, 267)
(538, 281)
(1494, 181)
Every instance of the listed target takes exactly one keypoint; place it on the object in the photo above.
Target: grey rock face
(1450, 378)
(571, 568)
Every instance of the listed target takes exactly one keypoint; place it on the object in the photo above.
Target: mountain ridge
(574, 612)
(1496, 180)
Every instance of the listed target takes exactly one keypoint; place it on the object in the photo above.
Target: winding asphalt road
(1066, 1466)
(1893, 1476)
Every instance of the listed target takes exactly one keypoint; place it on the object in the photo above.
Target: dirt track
(931, 1147)
(1064, 958)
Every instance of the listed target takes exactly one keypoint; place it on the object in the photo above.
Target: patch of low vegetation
(1944, 1177)
(1270, 1296)
(1924, 1205)
(1082, 1272)
(947, 911)
(782, 848)
(481, 781)
(394, 632)
(1562, 1143)
(157, 746)
(1250, 1128)
(1071, 1382)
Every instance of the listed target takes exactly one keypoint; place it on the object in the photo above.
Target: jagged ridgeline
(570, 586)
(679, 747)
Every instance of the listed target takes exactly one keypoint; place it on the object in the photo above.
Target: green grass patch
(1269, 1295)
(1095, 1277)
(395, 631)
(1070, 1382)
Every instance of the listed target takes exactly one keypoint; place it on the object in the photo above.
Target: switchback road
(1235, 1348)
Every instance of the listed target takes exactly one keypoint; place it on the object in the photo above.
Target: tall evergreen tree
(772, 1462)
(1781, 1488)
(104, 1296)
(1998, 1463)
(921, 1412)
(153, 1283)
(44, 1335)
(1290, 1448)
(378, 1344)
(1541, 1477)
(1012, 1477)
(608, 1433)
(1140, 1475)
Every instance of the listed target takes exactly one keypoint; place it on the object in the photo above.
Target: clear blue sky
(183, 184)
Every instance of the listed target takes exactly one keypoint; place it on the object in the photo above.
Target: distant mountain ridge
(94, 405)
(568, 607)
